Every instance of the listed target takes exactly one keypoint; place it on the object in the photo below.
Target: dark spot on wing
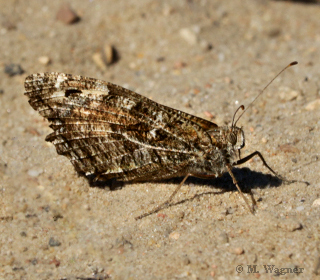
(69, 92)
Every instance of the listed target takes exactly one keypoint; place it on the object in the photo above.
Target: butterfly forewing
(111, 132)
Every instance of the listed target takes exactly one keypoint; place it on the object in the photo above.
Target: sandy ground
(202, 57)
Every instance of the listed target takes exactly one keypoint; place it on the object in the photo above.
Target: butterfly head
(235, 134)
(235, 138)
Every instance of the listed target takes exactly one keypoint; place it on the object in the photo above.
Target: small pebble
(167, 10)
(227, 80)
(53, 242)
(288, 94)
(205, 46)
(188, 35)
(290, 225)
(105, 57)
(45, 60)
(57, 216)
(13, 70)
(174, 235)
(223, 238)
(316, 203)
(230, 210)
(98, 60)
(67, 15)
(289, 148)
(55, 262)
(208, 115)
(316, 269)
(274, 32)
(313, 105)
(221, 57)
(238, 251)
(87, 207)
(185, 260)
(8, 25)
(35, 172)
(300, 208)
(179, 64)
(109, 54)
(204, 265)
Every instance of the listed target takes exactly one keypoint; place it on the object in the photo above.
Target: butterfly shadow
(246, 178)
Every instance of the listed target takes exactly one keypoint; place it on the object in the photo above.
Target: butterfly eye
(232, 138)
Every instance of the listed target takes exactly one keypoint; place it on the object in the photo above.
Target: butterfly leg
(162, 205)
(256, 153)
(237, 185)
(235, 182)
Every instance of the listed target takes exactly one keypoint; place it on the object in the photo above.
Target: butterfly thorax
(226, 143)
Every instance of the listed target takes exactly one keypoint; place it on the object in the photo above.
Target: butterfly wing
(111, 132)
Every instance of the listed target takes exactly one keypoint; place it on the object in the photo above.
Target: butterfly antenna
(291, 64)
(234, 115)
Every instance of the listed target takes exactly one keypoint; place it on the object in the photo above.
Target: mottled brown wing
(111, 132)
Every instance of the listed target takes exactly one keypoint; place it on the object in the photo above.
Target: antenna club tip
(293, 63)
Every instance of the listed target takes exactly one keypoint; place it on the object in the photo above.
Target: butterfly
(108, 131)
